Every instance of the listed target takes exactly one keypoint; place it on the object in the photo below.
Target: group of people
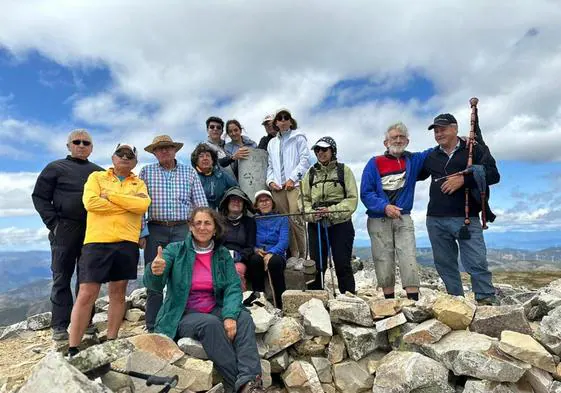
(206, 240)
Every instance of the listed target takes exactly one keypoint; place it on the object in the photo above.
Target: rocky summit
(318, 343)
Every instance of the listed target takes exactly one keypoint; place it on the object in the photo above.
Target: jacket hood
(235, 191)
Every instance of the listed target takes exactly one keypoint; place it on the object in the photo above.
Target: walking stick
(320, 255)
(307, 255)
(329, 256)
(473, 135)
(167, 382)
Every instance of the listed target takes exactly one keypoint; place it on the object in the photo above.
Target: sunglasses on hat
(125, 153)
(77, 142)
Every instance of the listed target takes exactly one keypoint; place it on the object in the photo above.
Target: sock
(73, 351)
(413, 296)
(389, 295)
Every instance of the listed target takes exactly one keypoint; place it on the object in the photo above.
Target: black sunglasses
(213, 127)
(83, 142)
(125, 153)
(322, 149)
(283, 117)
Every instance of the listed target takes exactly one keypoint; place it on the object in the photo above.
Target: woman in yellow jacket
(115, 200)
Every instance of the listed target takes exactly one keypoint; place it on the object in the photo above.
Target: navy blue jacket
(373, 196)
(273, 234)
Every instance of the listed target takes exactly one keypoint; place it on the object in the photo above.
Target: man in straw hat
(175, 190)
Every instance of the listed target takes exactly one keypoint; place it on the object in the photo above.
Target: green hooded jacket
(326, 188)
(180, 257)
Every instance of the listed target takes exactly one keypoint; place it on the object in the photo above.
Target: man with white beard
(387, 190)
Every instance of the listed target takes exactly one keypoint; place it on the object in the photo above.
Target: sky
(129, 70)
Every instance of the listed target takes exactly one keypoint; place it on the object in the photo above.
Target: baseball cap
(267, 119)
(262, 192)
(129, 146)
(444, 119)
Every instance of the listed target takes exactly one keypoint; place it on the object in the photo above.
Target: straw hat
(162, 140)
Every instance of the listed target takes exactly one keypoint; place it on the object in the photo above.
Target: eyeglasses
(77, 142)
(285, 117)
(129, 155)
(322, 149)
(214, 127)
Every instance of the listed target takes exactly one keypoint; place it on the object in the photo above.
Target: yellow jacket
(116, 217)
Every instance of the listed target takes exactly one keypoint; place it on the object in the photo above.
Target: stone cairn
(349, 344)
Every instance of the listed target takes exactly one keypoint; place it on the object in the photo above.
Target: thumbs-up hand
(159, 263)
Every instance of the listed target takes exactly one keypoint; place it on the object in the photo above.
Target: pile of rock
(354, 344)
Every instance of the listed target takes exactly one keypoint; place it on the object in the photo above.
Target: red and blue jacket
(373, 195)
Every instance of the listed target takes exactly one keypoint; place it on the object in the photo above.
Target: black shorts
(104, 262)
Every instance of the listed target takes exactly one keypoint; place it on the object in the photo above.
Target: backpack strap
(341, 177)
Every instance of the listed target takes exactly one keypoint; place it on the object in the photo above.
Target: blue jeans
(159, 236)
(443, 235)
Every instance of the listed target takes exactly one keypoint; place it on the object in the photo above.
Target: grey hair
(399, 126)
(79, 131)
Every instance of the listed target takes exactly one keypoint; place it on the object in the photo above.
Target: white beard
(396, 150)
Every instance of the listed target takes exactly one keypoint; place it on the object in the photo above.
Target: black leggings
(257, 275)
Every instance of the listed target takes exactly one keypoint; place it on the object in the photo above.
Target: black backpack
(340, 177)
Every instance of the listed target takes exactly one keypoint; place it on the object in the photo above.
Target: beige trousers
(287, 202)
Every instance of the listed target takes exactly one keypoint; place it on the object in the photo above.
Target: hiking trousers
(237, 362)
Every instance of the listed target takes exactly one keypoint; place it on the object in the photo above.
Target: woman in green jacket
(204, 301)
(330, 190)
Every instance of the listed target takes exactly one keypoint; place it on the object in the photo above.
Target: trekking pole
(320, 256)
(329, 256)
(258, 217)
(300, 177)
(167, 382)
(272, 287)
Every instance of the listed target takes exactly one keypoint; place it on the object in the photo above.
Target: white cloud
(15, 193)
(14, 238)
(172, 63)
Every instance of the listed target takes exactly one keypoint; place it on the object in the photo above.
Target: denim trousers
(160, 235)
(443, 235)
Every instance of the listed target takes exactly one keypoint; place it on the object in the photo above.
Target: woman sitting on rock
(239, 234)
(271, 244)
(204, 301)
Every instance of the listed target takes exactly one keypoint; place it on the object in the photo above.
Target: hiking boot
(60, 334)
(255, 386)
(488, 301)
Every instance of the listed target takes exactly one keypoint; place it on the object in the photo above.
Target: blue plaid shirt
(174, 193)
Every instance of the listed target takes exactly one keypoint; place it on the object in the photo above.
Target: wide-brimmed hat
(161, 141)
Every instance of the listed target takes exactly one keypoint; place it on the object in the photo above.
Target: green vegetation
(528, 279)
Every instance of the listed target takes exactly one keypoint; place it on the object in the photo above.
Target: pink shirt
(201, 297)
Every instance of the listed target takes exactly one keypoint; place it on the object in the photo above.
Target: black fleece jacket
(58, 191)
(437, 164)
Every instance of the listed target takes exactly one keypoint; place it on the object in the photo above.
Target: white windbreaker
(296, 157)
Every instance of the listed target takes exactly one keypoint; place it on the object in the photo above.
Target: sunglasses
(125, 153)
(213, 127)
(285, 117)
(322, 149)
(77, 142)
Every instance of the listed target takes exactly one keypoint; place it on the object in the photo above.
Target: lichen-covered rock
(475, 355)
(549, 331)
(301, 377)
(492, 320)
(284, 333)
(262, 319)
(316, 319)
(360, 341)
(350, 377)
(54, 373)
(354, 310)
(410, 372)
(336, 350)
(159, 345)
(427, 332)
(39, 321)
(102, 354)
(390, 322)
(192, 348)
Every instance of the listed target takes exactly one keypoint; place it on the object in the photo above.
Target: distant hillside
(20, 268)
